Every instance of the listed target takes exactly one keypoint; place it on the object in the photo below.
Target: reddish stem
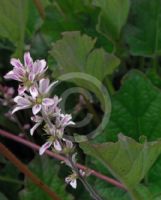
(15, 161)
(59, 157)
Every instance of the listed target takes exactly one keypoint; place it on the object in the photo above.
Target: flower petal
(19, 108)
(16, 63)
(27, 59)
(33, 91)
(12, 75)
(43, 85)
(44, 147)
(36, 108)
(21, 89)
(57, 145)
(47, 101)
(32, 130)
(21, 101)
(73, 183)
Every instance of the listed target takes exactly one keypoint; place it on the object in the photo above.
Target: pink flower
(26, 73)
(52, 141)
(65, 120)
(22, 103)
(20, 71)
(40, 93)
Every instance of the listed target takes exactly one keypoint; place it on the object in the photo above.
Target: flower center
(38, 100)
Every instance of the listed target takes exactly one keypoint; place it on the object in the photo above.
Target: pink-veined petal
(31, 76)
(21, 89)
(38, 67)
(22, 101)
(16, 63)
(43, 85)
(33, 91)
(12, 75)
(27, 59)
(44, 147)
(42, 65)
(47, 101)
(57, 145)
(36, 108)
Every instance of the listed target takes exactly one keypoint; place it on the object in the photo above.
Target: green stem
(6, 179)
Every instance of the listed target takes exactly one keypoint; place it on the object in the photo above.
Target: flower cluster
(34, 92)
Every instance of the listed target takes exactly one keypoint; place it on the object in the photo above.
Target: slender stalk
(61, 158)
(88, 187)
(12, 158)
(40, 8)
(10, 180)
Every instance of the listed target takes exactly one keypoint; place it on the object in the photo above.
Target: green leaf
(9, 182)
(75, 53)
(110, 193)
(13, 17)
(136, 109)
(144, 35)
(128, 160)
(154, 77)
(3, 197)
(47, 171)
(113, 16)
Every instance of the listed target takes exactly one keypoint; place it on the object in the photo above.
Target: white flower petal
(36, 108)
(32, 130)
(43, 85)
(33, 91)
(57, 145)
(73, 183)
(44, 147)
(19, 108)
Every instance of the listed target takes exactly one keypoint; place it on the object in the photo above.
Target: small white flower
(38, 120)
(72, 180)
